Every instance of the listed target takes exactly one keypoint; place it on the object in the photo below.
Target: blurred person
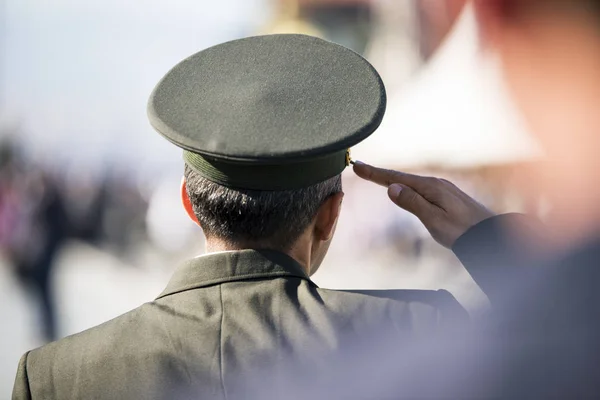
(48, 232)
(34, 226)
(543, 338)
(106, 210)
(265, 124)
(124, 211)
(8, 195)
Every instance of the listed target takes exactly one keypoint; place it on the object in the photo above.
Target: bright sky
(78, 73)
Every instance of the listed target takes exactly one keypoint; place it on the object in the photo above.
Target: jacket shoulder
(438, 305)
(21, 388)
(75, 364)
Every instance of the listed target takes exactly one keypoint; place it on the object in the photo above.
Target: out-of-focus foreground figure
(550, 54)
(542, 339)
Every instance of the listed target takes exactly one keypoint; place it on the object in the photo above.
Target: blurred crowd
(40, 209)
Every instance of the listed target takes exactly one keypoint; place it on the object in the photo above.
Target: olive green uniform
(243, 324)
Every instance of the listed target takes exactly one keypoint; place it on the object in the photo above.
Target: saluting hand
(445, 210)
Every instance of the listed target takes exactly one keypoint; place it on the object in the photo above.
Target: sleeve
(495, 255)
(21, 388)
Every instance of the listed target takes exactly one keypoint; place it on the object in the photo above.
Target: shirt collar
(215, 268)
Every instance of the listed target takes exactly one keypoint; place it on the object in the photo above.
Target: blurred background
(90, 219)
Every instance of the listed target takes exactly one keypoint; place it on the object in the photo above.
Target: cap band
(289, 176)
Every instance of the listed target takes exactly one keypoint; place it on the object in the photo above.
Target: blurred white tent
(454, 115)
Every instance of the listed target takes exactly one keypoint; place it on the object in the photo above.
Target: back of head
(266, 124)
(261, 218)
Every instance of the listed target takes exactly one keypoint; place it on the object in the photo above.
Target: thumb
(409, 200)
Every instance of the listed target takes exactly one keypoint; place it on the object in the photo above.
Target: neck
(299, 253)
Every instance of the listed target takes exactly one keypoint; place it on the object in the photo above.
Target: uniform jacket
(243, 324)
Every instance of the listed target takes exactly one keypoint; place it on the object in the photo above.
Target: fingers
(411, 201)
(425, 186)
(384, 177)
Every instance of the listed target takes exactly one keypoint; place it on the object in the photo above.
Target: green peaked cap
(274, 112)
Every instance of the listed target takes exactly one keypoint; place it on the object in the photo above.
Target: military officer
(265, 124)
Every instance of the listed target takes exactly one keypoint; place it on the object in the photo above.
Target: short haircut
(270, 218)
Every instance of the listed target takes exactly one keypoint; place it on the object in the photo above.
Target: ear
(327, 217)
(187, 204)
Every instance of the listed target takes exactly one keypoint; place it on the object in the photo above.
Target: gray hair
(270, 218)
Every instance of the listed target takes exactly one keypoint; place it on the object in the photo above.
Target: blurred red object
(309, 3)
(437, 18)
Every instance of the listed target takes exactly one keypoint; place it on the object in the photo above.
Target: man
(33, 227)
(543, 339)
(265, 124)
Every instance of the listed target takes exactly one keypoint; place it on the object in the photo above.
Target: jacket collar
(215, 268)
